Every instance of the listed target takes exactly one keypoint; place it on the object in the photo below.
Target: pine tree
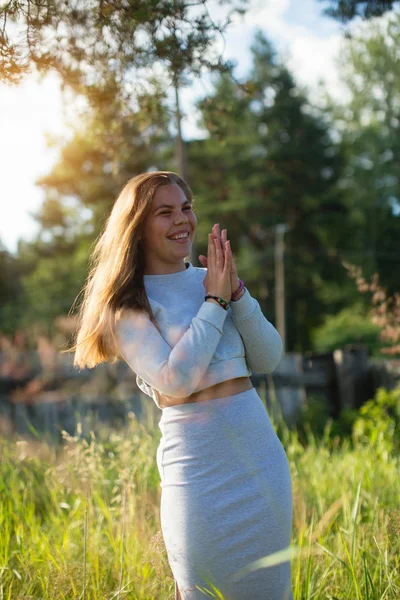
(269, 159)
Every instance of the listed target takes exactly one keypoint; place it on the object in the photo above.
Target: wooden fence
(49, 395)
(345, 378)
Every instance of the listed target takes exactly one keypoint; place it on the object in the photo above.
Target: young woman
(193, 336)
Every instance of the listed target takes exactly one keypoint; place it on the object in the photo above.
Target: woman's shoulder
(139, 318)
(201, 272)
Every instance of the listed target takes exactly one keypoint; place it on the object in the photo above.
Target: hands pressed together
(221, 279)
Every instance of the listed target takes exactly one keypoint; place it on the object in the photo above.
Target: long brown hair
(115, 279)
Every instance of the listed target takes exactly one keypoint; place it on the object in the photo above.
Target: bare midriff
(229, 387)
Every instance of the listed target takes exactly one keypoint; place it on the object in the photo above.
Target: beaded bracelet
(221, 301)
(236, 293)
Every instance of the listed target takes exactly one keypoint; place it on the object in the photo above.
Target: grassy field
(82, 521)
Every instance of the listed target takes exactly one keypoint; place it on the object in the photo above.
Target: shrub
(378, 422)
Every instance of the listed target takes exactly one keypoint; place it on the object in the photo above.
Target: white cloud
(312, 59)
(268, 14)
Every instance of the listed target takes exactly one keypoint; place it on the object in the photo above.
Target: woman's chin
(182, 249)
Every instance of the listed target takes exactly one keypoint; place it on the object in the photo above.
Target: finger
(218, 252)
(211, 251)
(224, 237)
(233, 262)
(228, 256)
(231, 253)
(217, 234)
(217, 246)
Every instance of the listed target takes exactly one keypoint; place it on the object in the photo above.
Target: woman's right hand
(219, 262)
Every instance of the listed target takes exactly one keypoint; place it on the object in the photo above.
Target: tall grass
(82, 520)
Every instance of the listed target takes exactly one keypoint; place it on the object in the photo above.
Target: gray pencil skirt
(226, 499)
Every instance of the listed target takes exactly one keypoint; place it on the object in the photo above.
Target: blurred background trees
(268, 156)
(346, 10)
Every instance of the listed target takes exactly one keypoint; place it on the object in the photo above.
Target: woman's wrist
(217, 300)
(238, 292)
(239, 295)
(212, 300)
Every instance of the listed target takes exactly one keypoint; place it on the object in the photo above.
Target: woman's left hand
(222, 237)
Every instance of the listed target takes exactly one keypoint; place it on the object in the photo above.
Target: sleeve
(178, 371)
(262, 342)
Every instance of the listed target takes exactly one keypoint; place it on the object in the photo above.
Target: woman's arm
(178, 371)
(262, 342)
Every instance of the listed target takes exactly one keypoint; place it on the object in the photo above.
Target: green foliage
(89, 512)
(94, 42)
(51, 287)
(346, 10)
(107, 149)
(106, 485)
(368, 127)
(269, 159)
(10, 291)
(313, 419)
(351, 325)
(378, 423)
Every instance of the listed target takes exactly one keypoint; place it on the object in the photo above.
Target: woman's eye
(166, 212)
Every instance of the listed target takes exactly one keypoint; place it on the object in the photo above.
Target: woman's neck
(165, 269)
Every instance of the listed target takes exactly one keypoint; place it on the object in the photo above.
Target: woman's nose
(182, 217)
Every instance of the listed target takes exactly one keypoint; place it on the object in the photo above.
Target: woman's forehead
(171, 195)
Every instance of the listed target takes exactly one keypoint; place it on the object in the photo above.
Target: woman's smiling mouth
(181, 238)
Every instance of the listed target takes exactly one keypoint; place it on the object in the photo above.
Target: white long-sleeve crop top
(201, 343)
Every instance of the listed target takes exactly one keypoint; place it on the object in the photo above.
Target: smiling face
(170, 213)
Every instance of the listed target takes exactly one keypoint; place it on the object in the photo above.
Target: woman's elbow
(175, 381)
(268, 361)
(276, 356)
(176, 387)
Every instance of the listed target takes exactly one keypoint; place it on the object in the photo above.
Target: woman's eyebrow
(171, 205)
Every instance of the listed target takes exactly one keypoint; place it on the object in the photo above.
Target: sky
(307, 42)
